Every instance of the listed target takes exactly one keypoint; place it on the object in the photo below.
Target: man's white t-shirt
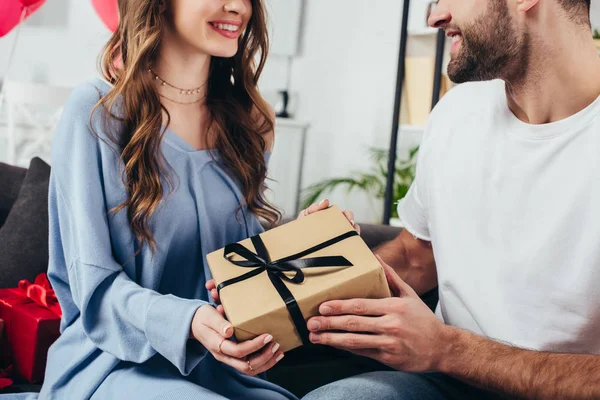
(513, 214)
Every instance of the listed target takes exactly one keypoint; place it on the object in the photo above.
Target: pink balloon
(108, 12)
(11, 12)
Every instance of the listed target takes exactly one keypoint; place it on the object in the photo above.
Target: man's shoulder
(467, 99)
(465, 105)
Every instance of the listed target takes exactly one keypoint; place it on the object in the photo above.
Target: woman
(156, 165)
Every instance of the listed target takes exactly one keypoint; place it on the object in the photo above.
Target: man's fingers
(349, 341)
(397, 285)
(348, 323)
(221, 310)
(370, 353)
(374, 307)
(243, 349)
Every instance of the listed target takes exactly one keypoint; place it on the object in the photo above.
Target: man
(503, 216)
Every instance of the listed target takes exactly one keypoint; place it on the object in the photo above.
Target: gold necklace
(181, 102)
(181, 91)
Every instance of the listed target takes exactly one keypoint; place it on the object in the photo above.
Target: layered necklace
(182, 92)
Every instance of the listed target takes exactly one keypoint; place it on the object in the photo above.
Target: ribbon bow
(40, 292)
(261, 261)
(5, 377)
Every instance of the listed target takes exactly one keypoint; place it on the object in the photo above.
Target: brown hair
(238, 116)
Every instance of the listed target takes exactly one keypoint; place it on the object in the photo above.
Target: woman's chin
(223, 51)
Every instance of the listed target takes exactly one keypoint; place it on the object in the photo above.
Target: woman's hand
(212, 287)
(251, 357)
(323, 205)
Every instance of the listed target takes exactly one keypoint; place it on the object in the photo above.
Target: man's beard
(491, 48)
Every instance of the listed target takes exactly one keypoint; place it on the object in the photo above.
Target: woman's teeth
(227, 27)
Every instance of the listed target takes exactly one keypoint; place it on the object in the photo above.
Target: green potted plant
(372, 183)
(597, 38)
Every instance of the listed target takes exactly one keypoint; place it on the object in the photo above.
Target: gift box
(274, 282)
(4, 349)
(31, 316)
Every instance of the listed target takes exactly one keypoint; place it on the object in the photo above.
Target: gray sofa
(24, 254)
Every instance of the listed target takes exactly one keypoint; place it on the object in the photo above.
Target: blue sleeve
(122, 318)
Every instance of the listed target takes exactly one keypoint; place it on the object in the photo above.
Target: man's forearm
(522, 373)
(413, 261)
(392, 253)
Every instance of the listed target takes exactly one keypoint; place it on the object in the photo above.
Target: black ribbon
(276, 271)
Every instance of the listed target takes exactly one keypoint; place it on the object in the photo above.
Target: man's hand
(400, 331)
(404, 334)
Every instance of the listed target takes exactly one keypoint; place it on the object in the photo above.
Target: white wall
(345, 77)
(595, 13)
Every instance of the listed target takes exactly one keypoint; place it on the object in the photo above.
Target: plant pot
(597, 41)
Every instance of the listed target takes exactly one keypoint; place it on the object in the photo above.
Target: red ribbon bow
(5, 377)
(41, 293)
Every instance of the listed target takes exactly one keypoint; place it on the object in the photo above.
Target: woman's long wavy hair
(239, 117)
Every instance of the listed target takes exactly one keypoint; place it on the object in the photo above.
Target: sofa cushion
(24, 235)
(11, 179)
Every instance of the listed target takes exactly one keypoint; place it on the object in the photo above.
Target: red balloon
(30, 3)
(108, 11)
(12, 12)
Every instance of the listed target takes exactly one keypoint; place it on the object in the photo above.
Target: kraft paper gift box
(274, 282)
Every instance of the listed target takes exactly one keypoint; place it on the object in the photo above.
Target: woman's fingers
(255, 364)
(215, 296)
(313, 208)
(210, 284)
(243, 349)
(266, 359)
(221, 310)
(213, 319)
(250, 357)
(350, 217)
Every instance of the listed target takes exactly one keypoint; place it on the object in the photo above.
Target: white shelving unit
(286, 165)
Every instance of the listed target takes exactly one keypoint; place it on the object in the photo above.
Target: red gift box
(4, 349)
(31, 315)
